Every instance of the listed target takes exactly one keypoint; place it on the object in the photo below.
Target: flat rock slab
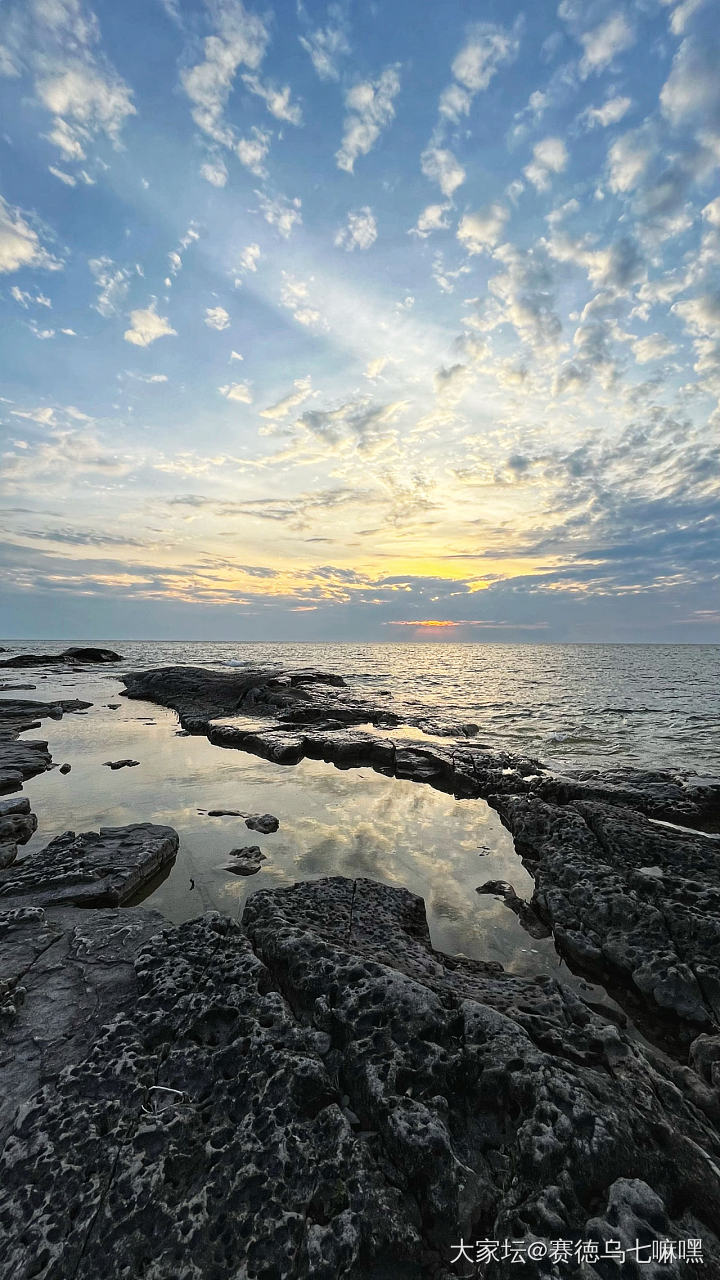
(94, 869)
(283, 1103)
(67, 657)
(22, 758)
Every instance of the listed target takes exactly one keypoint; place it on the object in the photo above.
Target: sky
(360, 321)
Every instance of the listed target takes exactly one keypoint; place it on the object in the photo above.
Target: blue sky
(345, 321)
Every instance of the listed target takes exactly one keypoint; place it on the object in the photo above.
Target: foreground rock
(248, 860)
(630, 900)
(326, 1096)
(68, 656)
(94, 869)
(21, 759)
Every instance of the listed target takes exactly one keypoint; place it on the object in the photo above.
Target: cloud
(147, 327)
(20, 244)
(302, 388)
(327, 45)
(240, 39)
(251, 151)
(26, 299)
(112, 282)
(249, 258)
(488, 48)
(611, 112)
(628, 159)
(432, 218)
(216, 318)
(295, 297)
(276, 100)
(603, 43)
(692, 90)
(478, 232)
(85, 101)
(549, 156)
(441, 166)
(653, 347)
(280, 212)
(238, 391)
(214, 172)
(359, 232)
(370, 106)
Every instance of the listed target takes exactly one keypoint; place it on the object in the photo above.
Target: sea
(573, 706)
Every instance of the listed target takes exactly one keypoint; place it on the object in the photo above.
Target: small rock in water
(65, 768)
(222, 813)
(262, 822)
(112, 706)
(249, 859)
(120, 764)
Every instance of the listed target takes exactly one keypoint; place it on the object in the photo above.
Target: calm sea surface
(569, 705)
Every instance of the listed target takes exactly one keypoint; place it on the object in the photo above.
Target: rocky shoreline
(315, 1091)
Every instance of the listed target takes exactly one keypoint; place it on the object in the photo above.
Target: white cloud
(611, 112)
(605, 42)
(479, 231)
(8, 65)
(371, 108)
(711, 212)
(280, 212)
(235, 355)
(214, 172)
(276, 100)
(295, 297)
(327, 45)
(238, 391)
(442, 167)
(549, 156)
(359, 232)
(85, 100)
(249, 258)
(488, 48)
(147, 327)
(374, 368)
(432, 218)
(112, 282)
(302, 388)
(217, 318)
(20, 244)
(628, 160)
(26, 299)
(251, 151)
(654, 347)
(240, 39)
(692, 90)
(67, 178)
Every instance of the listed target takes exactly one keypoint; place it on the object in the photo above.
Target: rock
(112, 706)
(528, 918)
(94, 869)
(324, 1095)
(71, 655)
(657, 936)
(23, 758)
(120, 764)
(222, 813)
(5, 686)
(262, 822)
(17, 828)
(249, 860)
(20, 804)
(65, 768)
(8, 854)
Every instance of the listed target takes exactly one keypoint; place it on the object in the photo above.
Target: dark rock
(23, 758)
(325, 1095)
(628, 898)
(5, 686)
(528, 918)
(222, 813)
(120, 764)
(249, 860)
(112, 706)
(262, 822)
(71, 655)
(65, 768)
(92, 869)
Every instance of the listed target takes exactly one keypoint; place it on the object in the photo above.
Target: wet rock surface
(23, 758)
(321, 1094)
(93, 869)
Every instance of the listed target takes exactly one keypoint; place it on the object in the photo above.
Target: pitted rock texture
(65, 973)
(350, 1103)
(93, 869)
(627, 898)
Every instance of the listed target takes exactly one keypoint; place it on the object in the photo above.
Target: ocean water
(569, 705)
(577, 704)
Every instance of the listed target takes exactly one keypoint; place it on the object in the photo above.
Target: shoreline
(594, 845)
